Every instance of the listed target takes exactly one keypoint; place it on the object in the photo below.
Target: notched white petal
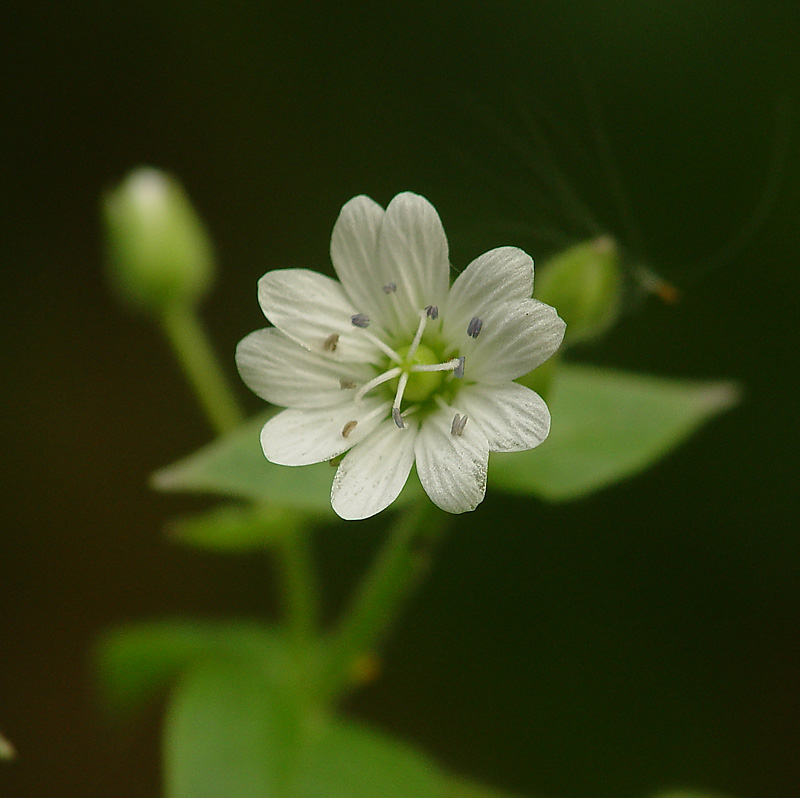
(301, 437)
(279, 370)
(314, 311)
(412, 247)
(354, 252)
(451, 466)
(499, 276)
(373, 473)
(516, 337)
(512, 417)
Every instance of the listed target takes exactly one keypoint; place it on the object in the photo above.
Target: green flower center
(421, 384)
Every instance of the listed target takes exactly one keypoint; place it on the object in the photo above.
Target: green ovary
(421, 384)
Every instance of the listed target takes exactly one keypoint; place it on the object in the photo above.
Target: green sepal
(607, 425)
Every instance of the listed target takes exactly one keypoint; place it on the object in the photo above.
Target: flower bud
(583, 284)
(159, 253)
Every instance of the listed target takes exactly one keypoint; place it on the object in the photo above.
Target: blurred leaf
(458, 788)
(234, 465)
(137, 661)
(229, 732)
(608, 425)
(352, 761)
(233, 527)
(7, 751)
(227, 735)
(688, 794)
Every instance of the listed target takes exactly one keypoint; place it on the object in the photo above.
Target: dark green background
(643, 638)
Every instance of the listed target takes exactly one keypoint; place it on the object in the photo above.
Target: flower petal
(413, 253)
(279, 370)
(515, 338)
(512, 417)
(373, 473)
(499, 276)
(310, 308)
(452, 468)
(354, 253)
(301, 437)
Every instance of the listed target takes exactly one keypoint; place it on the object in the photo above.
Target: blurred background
(643, 638)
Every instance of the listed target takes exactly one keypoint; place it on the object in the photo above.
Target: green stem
(196, 356)
(300, 593)
(301, 605)
(397, 569)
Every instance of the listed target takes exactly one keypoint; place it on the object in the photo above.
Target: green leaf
(459, 788)
(136, 662)
(232, 527)
(234, 465)
(228, 734)
(231, 731)
(608, 425)
(352, 761)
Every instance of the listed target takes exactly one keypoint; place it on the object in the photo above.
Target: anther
(348, 428)
(330, 342)
(432, 312)
(458, 371)
(457, 427)
(390, 288)
(397, 418)
(345, 384)
(474, 327)
(360, 320)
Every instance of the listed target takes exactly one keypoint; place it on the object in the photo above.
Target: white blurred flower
(394, 366)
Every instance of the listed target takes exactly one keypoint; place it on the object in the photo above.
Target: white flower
(393, 366)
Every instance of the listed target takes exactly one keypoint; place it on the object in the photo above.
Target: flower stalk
(196, 356)
(396, 571)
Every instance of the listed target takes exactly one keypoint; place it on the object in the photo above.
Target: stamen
(348, 428)
(345, 384)
(398, 397)
(474, 327)
(330, 342)
(375, 381)
(448, 365)
(390, 288)
(362, 321)
(432, 312)
(417, 335)
(457, 427)
(458, 372)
